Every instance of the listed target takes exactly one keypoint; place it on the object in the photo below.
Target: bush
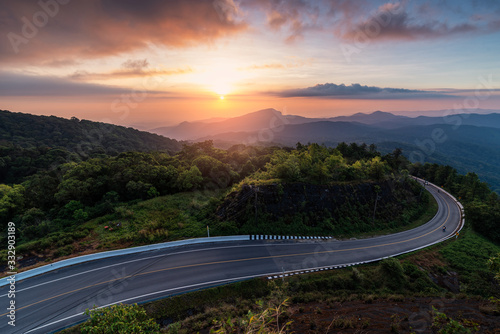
(119, 319)
(393, 272)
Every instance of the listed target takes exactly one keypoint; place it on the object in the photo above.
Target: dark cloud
(295, 17)
(361, 19)
(58, 32)
(29, 85)
(137, 64)
(357, 91)
(392, 21)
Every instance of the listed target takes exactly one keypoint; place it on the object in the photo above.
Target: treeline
(77, 191)
(482, 205)
(319, 164)
(29, 143)
(74, 192)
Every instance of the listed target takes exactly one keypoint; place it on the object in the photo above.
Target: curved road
(57, 299)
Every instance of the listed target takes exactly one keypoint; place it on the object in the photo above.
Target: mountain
(488, 120)
(266, 118)
(376, 117)
(290, 134)
(28, 130)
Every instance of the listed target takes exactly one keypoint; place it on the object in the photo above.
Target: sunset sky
(159, 62)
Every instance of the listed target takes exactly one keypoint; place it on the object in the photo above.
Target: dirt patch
(384, 316)
(428, 259)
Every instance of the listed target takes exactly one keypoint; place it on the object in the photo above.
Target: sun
(221, 83)
(220, 77)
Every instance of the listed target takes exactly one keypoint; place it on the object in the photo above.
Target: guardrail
(103, 255)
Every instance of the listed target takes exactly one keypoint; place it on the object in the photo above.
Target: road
(57, 299)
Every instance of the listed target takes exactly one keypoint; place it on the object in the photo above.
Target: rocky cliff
(324, 208)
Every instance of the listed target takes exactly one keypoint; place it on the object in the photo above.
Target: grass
(468, 255)
(161, 219)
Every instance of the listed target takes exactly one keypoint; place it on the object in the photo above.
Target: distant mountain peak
(266, 111)
(380, 112)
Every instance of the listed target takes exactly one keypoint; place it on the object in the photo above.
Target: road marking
(234, 261)
(142, 259)
(155, 293)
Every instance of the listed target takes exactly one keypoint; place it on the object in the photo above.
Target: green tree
(11, 200)
(190, 178)
(393, 272)
(33, 224)
(80, 215)
(152, 192)
(119, 319)
(484, 218)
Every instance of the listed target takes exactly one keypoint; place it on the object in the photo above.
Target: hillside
(336, 209)
(30, 143)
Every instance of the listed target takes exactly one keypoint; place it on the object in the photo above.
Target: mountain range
(468, 142)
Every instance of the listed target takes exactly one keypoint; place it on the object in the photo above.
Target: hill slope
(29, 143)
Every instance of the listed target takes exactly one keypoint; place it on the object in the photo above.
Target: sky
(155, 62)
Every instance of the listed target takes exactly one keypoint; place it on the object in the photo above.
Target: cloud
(357, 91)
(379, 20)
(130, 69)
(294, 16)
(12, 84)
(137, 64)
(395, 21)
(57, 33)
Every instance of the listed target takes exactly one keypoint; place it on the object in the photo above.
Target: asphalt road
(57, 299)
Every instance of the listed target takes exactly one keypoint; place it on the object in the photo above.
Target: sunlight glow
(220, 78)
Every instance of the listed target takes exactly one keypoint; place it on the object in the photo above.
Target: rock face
(314, 203)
